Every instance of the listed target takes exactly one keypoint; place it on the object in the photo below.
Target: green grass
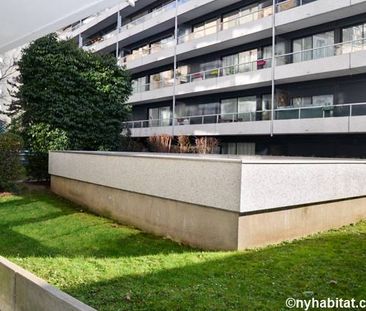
(112, 267)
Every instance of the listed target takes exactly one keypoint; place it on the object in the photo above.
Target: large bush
(68, 98)
(81, 93)
(11, 169)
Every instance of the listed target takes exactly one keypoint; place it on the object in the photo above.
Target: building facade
(304, 96)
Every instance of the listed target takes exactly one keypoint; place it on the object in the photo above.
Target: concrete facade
(248, 202)
(22, 291)
(223, 69)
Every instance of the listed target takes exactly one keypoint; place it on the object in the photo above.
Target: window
(266, 106)
(241, 62)
(301, 48)
(158, 45)
(323, 100)
(247, 60)
(140, 85)
(161, 79)
(238, 109)
(301, 102)
(205, 28)
(354, 38)
(230, 64)
(314, 47)
(317, 101)
(247, 107)
(238, 148)
(314, 107)
(230, 20)
(159, 116)
(229, 109)
(206, 71)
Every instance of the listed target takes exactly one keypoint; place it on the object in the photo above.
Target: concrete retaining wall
(22, 291)
(182, 222)
(215, 202)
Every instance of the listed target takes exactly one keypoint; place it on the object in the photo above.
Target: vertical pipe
(175, 65)
(80, 36)
(119, 24)
(273, 63)
(80, 40)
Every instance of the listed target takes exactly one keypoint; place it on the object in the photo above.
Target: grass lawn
(112, 267)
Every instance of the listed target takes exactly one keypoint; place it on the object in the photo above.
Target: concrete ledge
(22, 291)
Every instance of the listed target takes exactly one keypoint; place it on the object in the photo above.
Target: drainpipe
(175, 65)
(119, 25)
(80, 36)
(273, 64)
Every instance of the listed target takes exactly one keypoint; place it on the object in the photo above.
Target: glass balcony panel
(341, 111)
(311, 113)
(359, 110)
(209, 119)
(195, 120)
(286, 114)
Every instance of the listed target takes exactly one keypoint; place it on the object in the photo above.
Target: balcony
(164, 54)
(347, 118)
(319, 63)
(246, 28)
(159, 21)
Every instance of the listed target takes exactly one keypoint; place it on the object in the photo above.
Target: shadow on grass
(41, 224)
(331, 265)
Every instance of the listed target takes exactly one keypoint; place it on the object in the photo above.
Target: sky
(23, 20)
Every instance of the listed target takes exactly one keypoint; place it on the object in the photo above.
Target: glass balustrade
(241, 18)
(284, 59)
(288, 113)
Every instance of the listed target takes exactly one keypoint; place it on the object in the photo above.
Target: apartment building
(264, 77)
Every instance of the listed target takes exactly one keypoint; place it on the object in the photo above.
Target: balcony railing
(168, 7)
(322, 52)
(206, 75)
(283, 59)
(85, 21)
(284, 113)
(239, 20)
(146, 51)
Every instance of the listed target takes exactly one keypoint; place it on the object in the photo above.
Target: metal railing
(322, 52)
(219, 26)
(284, 113)
(230, 23)
(85, 21)
(205, 75)
(283, 59)
(138, 21)
(146, 51)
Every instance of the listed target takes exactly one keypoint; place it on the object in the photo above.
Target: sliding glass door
(238, 109)
(314, 47)
(354, 38)
(159, 116)
(247, 107)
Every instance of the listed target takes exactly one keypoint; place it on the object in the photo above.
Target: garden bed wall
(215, 202)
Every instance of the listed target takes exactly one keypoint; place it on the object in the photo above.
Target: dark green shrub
(11, 169)
(37, 166)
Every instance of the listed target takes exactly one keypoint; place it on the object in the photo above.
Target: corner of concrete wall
(7, 286)
(20, 290)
